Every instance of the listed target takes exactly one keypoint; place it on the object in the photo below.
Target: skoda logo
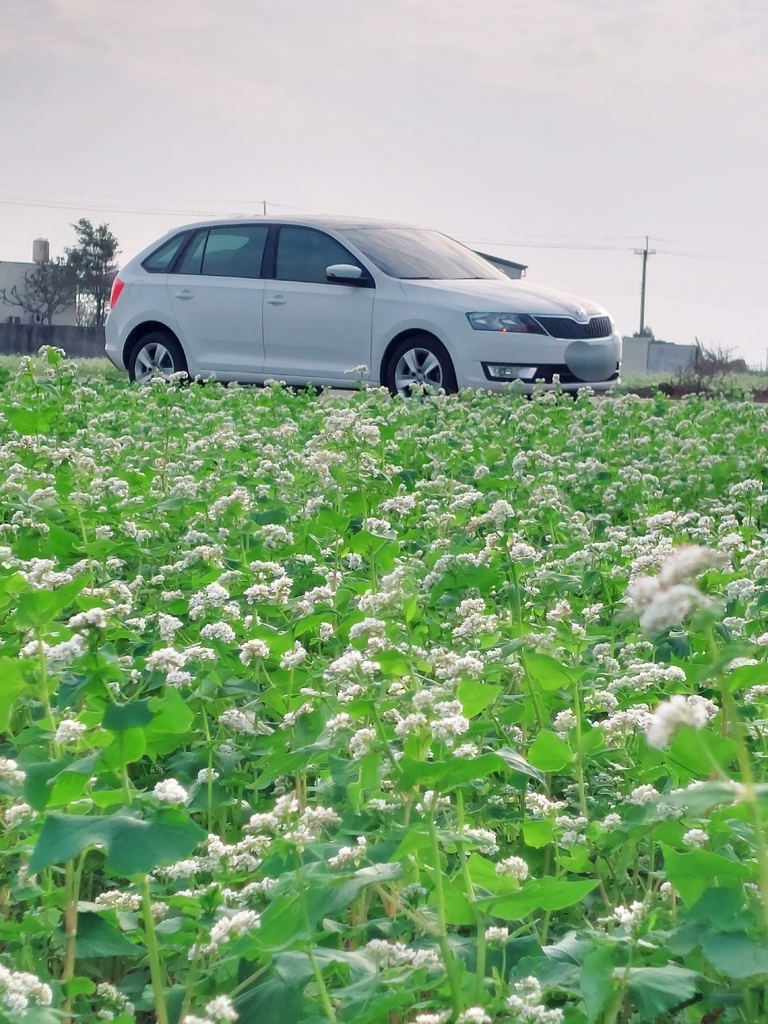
(580, 314)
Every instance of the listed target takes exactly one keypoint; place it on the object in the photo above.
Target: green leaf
(697, 751)
(700, 799)
(132, 845)
(273, 1001)
(97, 937)
(444, 775)
(735, 956)
(38, 608)
(119, 717)
(475, 697)
(12, 685)
(171, 714)
(657, 989)
(518, 763)
(721, 910)
(692, 873)
(538, 832)
(547, 671)
(542, 894)
(596, 980)
(549, 753)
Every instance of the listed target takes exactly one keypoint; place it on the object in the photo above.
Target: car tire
(157, 352)
(420, 359)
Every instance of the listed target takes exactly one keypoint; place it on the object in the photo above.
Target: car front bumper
(493, 360)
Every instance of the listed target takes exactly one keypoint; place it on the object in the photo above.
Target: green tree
(47, 290)
(94, 261)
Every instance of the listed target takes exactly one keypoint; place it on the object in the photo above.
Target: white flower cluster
(18, 989)
(527, 1006)
(10, 771)
(170, 791)
(234, 925)
(287, 820)
(679, 710)
(664, 601)
(513, 867)
(396, 954)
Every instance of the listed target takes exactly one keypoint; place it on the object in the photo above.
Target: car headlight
(510, 323)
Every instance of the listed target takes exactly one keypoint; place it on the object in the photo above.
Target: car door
(315, 330)
(216, 292)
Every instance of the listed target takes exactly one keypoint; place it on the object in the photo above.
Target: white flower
(17, 813)
(513, 867)
(473, 1015)
(494, 934)
(679, 710)
(18, 989)
(169, 791)
(221, 1008)
(629, 917)
(361, 743)
(349, 854)
(643, 795)
(94, 617)
(696, 837)
(69, 731)
(218, 631)
(10, 771)
(253, 649)
(294, 657)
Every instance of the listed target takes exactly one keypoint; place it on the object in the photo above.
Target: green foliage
(339, 707)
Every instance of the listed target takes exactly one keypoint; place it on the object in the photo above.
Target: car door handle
(185, 293)
(277, 300)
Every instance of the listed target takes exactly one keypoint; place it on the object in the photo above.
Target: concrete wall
(26, 339)
(646, 355)
(12, 276)
(665, 358)
(634, 357)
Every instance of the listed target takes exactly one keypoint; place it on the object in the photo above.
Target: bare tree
(47, 290)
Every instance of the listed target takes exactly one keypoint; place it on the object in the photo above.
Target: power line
(47, 205)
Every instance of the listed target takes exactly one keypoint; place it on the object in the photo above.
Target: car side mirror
(345, 273)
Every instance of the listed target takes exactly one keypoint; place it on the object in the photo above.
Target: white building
(13, 275)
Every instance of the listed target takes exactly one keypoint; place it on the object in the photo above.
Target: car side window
(303, 254)
(160, 260)
(235, 251)
(192, 260)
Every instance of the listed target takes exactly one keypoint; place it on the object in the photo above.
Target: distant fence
(26, 339)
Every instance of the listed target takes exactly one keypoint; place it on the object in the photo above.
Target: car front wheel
(156, 353)
(418, 362)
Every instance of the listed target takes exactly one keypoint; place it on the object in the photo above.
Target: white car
(329, 301)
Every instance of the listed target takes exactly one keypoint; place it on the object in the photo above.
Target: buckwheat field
(365, 711)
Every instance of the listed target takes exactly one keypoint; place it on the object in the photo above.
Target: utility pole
(645, 253)
(264, 209)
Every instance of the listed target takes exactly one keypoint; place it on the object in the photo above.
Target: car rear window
(161, 259)
(192, 260)
(235, 251)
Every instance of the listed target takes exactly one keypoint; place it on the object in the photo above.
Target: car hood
(501, 296)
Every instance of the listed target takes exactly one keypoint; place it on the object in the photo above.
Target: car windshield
(415, 255)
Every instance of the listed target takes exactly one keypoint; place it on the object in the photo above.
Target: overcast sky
(553, 132)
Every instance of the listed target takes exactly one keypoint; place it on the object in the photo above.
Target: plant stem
(156, 972)
(72, 875)
(442, 934)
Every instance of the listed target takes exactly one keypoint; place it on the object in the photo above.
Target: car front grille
(564, 327)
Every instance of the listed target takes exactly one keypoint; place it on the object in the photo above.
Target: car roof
(315, 220)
